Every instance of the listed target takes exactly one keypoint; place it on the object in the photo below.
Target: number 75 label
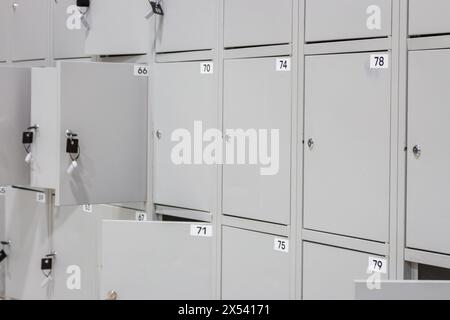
(379, 61)
(281, 245)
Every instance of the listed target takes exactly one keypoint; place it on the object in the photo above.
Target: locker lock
(3, 254)
(310, 144)
(83, 7)
(156, 9)
(15, 6)
(47, 268)
(73, 150)
(27, 141)
(111, 295)
(158, 134)
(417, 151)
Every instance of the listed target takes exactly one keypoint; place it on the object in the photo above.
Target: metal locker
(4, 27)
(252, 268)
(2, 238)
(187, 25)
(30, 28)
(328, 20)
(246, 22)
(102, 107)
(15, 106)
(75, 238)
(156, 260)
(428, 172)
(184, 98)
(27, 228)
(347, 146)
(254, 87)
(330, 273)
(118, 27)
(68, 31)
(429, 17)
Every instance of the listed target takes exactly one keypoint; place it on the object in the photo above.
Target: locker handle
(417, 151)
(310, 143)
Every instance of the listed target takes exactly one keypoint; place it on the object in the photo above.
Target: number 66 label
(201, 230)
(377, 265)
(379, 61)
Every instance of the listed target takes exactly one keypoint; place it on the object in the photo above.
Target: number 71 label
(201, 230)
(379, 61)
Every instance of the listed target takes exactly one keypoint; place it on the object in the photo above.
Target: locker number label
(87, 208)
(283, 64)
(141, 216)
(2, 191)
(141, 70)
(281, 245)
(377, 265)
(206, 67)
(40, 197)
(379, 61)
(198, 230)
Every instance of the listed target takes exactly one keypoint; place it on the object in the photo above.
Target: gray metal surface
(187, 25)
(427, 219)
(30, 30)
(2, 238)
(257, 22)
(155, 260)
(328, 20)
(15, 106)
(254, 87)
(4, 27)
(251, 268)
(330, 272)
(182, 96)
(404, 290)
(428, 17)
(346, 171)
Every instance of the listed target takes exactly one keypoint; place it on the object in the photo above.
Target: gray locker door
(155, 260)
(251, 268)
(30, 29)
(429, 17)
(27, 228)
(68, 31)
(5, 18)
(428, 218)
(328, 20)
(184, 96)
(15, 106)
(257, 22)
(118, 27)
(256, 96)
(330, 273)
(187, 25)
(346, 170)
(106, 105)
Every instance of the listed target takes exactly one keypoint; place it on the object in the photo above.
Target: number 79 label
(379, 61)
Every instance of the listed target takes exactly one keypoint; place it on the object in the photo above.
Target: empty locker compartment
(330, 273)
(255, 266)
(27, 229)
(156, 260)
(91, 145)
(68, 30)
(76, 239)
(118, 27)
(257, 22)
(187, 25)
(4, 27)
(2, 238)
(428, 17)
(330, 20)
(15, 109)
(185, 105)
(257, 98)
(428, 173)
(347, 145)
(30, 29)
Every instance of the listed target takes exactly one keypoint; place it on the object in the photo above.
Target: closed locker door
(184, 99)
(328, 20)
(5, 25)
(68, 31)
(15, 108)
(27, 229)
(187, 25)
(347, 146)
(246, 22)
(156, 261)
(429, 17)
(255, 265)
(105, 105)
(330, 273)
(3, 191)
(257, 99)
(428, 176)
(30, 29)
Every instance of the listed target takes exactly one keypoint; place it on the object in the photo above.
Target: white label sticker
(87, 208)
(141, 216)
(283, 64)
(2, 191)
(379, 61)
(281, 245)
(198, 230)
(141, 70)
(377, 265)
(40, 197)
(206, 67)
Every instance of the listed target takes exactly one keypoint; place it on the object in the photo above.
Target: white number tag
(206, 68)
(203, 230)
(281, 245)
(283, 64)
(40, 197)
(379, 61)
(141, 216)
(87, 208)
(141, 70)
(377, 265)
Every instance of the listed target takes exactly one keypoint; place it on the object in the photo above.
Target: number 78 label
(379, 61)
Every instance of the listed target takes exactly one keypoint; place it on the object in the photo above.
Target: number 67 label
(379, 61)
(201, 230)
